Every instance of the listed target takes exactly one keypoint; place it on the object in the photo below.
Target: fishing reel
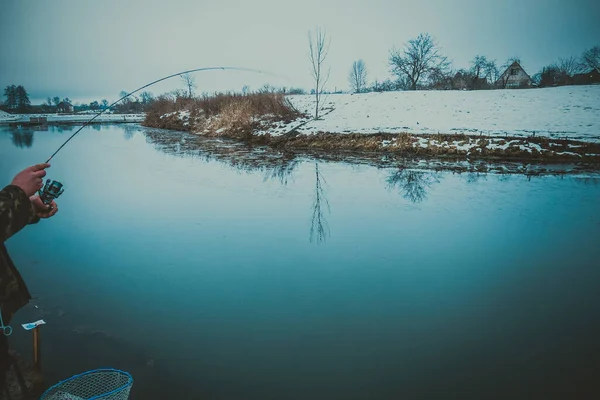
(50, 191)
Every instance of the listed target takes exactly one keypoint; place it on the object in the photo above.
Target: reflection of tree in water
(412, 184)
(273, 164)
(283, 170)
(474, 177)
(129, 131)
(503, 177)
(276, 165)
(588, 181)
(22, 138)
(319, 226)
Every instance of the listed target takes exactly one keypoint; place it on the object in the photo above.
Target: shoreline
(26, 120)
(456, 147)
(259, 156)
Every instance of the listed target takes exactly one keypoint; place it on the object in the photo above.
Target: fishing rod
(150, 84)
(53, 189)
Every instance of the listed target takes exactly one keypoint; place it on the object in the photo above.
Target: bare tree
(190, 83)
(569, 66)
(492, 72)
(319, 224)
(478, 66)
(591, 58)
(146, 97)
(483, 71)
(358, 76)
(420, 58)
(510, 61)
(318, 49)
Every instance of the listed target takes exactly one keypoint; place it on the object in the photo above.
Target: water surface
(225, 273)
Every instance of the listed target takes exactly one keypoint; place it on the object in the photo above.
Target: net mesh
(109, 384)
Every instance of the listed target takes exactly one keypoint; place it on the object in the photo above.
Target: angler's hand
(30, 179)
(42, 210)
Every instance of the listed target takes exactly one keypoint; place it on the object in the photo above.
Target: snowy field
(6, 117)
(568, 111)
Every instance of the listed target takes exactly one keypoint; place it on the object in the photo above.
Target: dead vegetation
(224, 114)
(445, 146)
(249, 118)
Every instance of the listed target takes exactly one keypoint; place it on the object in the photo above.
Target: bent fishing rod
(53, 189)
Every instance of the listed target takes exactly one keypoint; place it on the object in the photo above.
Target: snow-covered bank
(5, 117)
(67, 118)
(545, 125)
(571, 112)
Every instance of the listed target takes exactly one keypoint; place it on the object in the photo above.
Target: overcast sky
(85, 50)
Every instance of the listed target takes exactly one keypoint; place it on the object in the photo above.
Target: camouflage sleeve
(16, 211)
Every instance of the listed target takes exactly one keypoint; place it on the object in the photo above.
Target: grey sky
(89, 50)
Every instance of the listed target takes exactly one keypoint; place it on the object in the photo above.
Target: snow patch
(509, 112)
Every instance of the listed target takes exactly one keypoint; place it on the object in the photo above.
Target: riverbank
(66, 119)
(381, 124)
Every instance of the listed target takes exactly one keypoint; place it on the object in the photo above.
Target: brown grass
(230, 114)
(239, 116)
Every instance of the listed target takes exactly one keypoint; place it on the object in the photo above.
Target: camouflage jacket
(16, 212)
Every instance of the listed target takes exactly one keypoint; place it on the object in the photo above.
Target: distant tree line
(419, 65)
(17, 99)
(571, 70)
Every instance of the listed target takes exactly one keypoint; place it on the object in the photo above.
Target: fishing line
(152, 83)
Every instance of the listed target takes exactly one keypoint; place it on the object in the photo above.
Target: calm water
(217, 274)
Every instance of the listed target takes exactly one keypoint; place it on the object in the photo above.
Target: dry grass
(224, 114)
(406, 145)
(240, 116)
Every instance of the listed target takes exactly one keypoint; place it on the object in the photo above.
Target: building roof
(515, 64)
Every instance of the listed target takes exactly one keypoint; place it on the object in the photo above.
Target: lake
(224, 272)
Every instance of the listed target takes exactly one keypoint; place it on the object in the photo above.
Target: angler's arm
(16, 211)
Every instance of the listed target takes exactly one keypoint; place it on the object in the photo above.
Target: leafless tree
(510, 61)
(420, 57)
(478, 66)
(318, 48)
(480, 69)
(569, 66)
(319, 226)
(358, 76)
(492, 72)
(591, 59)
(483, 70)
(190, 83)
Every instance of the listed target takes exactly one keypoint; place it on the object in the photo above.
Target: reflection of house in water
(514, 77)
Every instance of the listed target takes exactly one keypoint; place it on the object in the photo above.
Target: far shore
(23, 120)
